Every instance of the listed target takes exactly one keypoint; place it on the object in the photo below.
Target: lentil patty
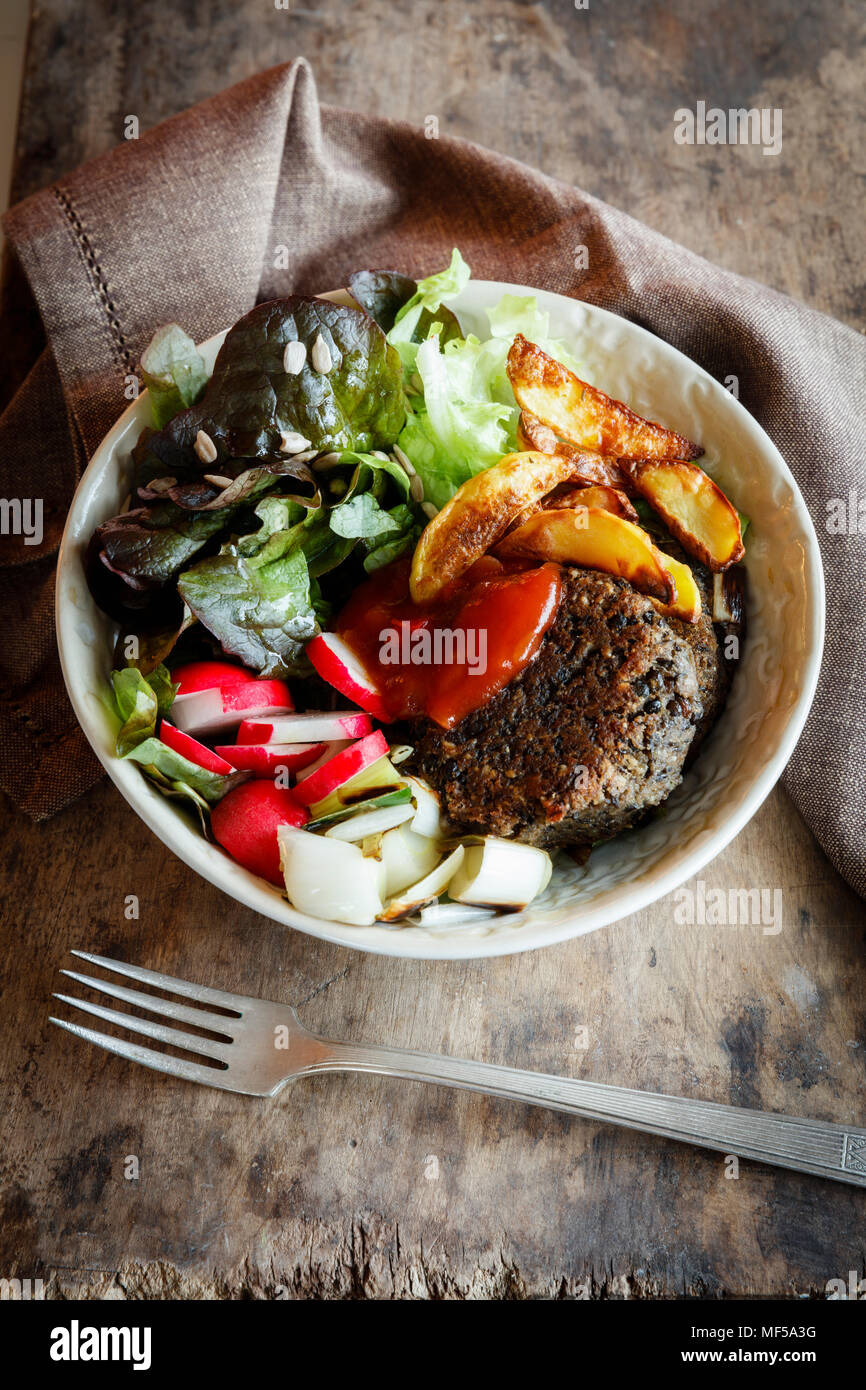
(590, 736)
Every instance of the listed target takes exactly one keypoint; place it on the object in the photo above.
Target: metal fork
(263, 1045)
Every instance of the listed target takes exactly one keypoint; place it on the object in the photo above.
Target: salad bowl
(739, 762)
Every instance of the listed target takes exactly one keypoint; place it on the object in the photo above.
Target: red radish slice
(275, 693)
(329, 750)
(265, 758)
(192, 750)
(209, 675)
(306, 728)
(341, 767)
(337, 664)
(245, 823)
(215, 711)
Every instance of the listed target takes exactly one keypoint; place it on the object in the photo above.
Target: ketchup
(447, 658)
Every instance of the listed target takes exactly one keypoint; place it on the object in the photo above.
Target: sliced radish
(342, 768)
(209, 675)
(337, 664)
(264, 758)
(245, 822)
(418, 895)
(191, 749)
(502, 874)
(357, 828)
(306, 728)
(215, 710)
(330, 878)
(328, 751)
(275, 693)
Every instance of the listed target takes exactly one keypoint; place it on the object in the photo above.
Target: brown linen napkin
(259, 192)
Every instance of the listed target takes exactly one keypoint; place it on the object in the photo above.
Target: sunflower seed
(325, 461)
(377, 454)
(292, 442)
(416, 489)
(217, 480)
(294, 357)
(205, 447)
(306, 456)
(321, 355)
(403, 460)
(429, 510)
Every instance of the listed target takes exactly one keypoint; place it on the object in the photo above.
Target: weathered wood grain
(364, 1187)
(585, 95)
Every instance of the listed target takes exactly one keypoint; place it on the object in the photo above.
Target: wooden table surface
(365, 1187)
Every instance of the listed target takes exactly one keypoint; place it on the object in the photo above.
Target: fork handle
(808, 1146)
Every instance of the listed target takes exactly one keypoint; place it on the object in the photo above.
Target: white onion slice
(371, 823)
(501, 873)
(428, 817)
(330, 878)
(427, 890)
(453, 915)
(406, 858)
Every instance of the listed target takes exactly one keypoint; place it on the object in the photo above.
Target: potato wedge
(478, 514)
(693, 508)
(590, 467)
(582, 414)
(687, 603)
(605, 499)
(532, 433)
(594, 540)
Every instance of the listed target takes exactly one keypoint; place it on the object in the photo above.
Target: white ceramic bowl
(740, 761)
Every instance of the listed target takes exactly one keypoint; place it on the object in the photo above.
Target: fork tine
(220, 997)
(190, 1042)
(218, 1023)
(157, 1061)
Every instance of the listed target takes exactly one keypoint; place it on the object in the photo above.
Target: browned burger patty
(590, 736)
(714, 677)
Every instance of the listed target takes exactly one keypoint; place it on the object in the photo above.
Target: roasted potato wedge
(596, 540)
(478, 514)
(533, 434)
(590, 467)
(605, 499)
(582, 414)
(692, 507)
(687, 603)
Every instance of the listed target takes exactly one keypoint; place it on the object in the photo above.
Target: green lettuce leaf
(257, 601)
(174, 373)
(467, 417)
(362, 518)
(251, 400)
(370, 471)
(445, 284)
(425, 312)
(381, 551)
(156, 757)
(138, 703)
(148, 546)
(382, 293)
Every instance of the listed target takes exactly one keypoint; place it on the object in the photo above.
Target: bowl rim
(619, 902)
